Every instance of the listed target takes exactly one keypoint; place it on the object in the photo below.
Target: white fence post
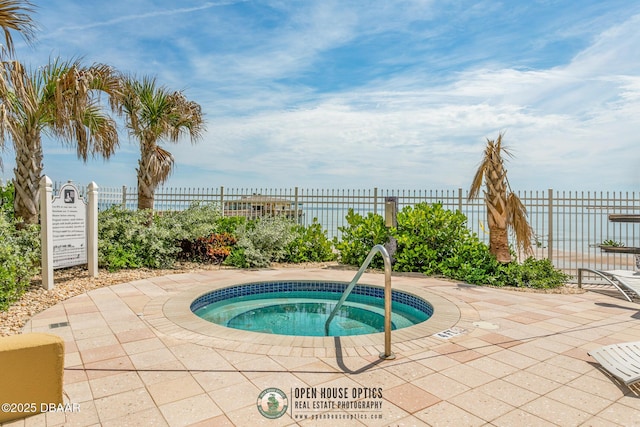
(92, 229)
(46, 232)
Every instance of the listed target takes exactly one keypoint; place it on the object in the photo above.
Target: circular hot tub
(171, 313)
(301, 308)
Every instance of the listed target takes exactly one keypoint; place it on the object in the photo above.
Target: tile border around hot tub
(332, 286)
(171, 315)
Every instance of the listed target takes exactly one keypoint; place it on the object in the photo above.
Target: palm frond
(517, 221)
(186, 118)
(96, 134)
(160, 164)
(478, 178)
(15, 15)
(491, 167)
(153, 113)
(19, 99)
(69, 105)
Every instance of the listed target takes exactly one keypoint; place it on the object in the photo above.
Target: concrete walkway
(509, 359)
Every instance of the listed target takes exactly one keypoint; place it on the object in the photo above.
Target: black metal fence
(569, 225)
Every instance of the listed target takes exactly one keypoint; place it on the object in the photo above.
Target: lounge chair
(620, 360)
(626, 281)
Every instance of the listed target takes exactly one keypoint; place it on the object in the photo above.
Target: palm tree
(153, 114)
(62, 99)
(15, 15)
(505, 211)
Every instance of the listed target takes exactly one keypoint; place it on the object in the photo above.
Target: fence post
(124, 197)
(295, 203)
(550, 238)
(222, 200)
(92, 229)
(46, 232)
(375, 200)
(460, 199)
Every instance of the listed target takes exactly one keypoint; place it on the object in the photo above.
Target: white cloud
(558, 123)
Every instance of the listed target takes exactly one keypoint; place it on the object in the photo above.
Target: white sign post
(92, 229)
(69, 229)
(46, 232)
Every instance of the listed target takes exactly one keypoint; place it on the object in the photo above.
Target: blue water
(304, 313)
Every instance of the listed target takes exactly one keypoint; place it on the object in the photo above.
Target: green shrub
(532, 273)
(262, 241)
(230, 224)
(427, 235)
(470, 262)
(198, 220)
(126, 239)
(237, 258)
(19, 259)
(359, 236)
(309, 245)
(435, 241)
(7, 194)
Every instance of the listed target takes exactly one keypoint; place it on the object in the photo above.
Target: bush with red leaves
(214, 248)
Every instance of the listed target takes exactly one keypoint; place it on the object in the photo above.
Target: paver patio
(520, 360)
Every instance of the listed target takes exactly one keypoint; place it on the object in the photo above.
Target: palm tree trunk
(499, 244)
(496, 202)
(497, 221)
(27, 177)
(146, 186)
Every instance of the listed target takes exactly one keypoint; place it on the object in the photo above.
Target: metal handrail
(387, 297)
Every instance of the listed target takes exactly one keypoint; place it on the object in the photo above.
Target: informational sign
(69, 227)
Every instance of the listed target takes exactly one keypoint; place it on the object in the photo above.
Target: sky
(352, 94)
